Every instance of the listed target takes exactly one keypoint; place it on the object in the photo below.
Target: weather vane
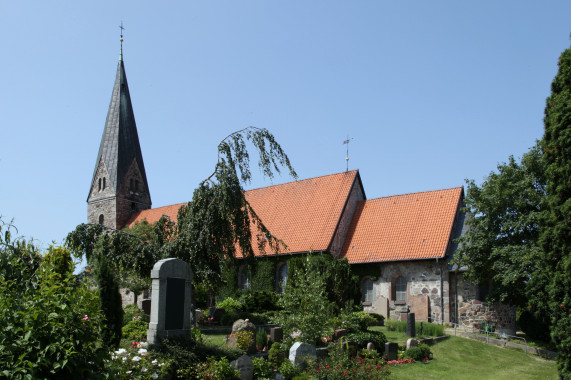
(346, 142)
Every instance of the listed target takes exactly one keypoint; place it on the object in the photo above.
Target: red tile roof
(303, 214)
(402, 227)
(154, 214)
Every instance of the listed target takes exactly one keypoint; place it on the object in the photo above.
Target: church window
(99, 187)
(133, 206)
(367, 291)
(131, 185)
(281, 277)
(101, 219)
(400, 289)
(243, 278)
(103, 188)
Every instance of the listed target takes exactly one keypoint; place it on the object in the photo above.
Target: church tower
(119, 186)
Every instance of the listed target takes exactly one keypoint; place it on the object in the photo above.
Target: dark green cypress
(109, 297)
(555, 236)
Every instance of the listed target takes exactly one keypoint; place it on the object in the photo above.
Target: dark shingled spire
(120, 141)
(119, 185)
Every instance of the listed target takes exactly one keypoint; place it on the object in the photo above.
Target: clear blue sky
(431, 92)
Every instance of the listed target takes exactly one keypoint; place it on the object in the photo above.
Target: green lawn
(461, 358)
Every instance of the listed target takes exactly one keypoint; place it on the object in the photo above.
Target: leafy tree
(217, 225)
(501, 245)
(306, 307)
(552, 281)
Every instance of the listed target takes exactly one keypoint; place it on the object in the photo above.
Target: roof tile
(402, 227)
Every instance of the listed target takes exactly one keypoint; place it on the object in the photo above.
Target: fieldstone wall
(472, 312)
(427, 291)
(356, 195)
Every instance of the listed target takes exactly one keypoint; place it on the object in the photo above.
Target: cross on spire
(346, 142)
(122, 29)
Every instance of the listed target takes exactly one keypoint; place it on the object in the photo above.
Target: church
(405, 241)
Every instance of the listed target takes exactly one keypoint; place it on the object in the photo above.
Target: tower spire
(119, 185)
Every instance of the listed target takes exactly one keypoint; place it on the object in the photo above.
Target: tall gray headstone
(172, 295)
(245, 365)
(410, 325)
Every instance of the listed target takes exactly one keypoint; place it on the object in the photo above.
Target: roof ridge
(417, 192)
(303, 180)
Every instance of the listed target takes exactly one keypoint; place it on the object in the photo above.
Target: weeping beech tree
(218, 224)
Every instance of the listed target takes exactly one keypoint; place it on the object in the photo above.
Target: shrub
(135, 363)
(49, 321)
(278, 353)
(378, 317)
(131, 312)
(353, 322)
(260, 301)
(362, 338)
(135, 330)
(288, 370)
(216, 370)
(419, 352)
(230, 305)
(262, 368)
(245, 340)
(428, 329)
(339, 365)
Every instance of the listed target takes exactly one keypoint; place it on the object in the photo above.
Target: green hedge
(428, 329)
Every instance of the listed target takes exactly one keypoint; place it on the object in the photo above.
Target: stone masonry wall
(427, 290)
(472, 312)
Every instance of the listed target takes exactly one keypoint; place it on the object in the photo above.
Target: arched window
(281, 277)
(99, 187)
(101, 219)
(103, 188)
(367, 290)
(243, 278)
(400, 289)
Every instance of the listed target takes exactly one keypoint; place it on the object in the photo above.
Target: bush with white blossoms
(135, 363)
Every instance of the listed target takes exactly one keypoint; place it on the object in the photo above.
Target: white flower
(128, 371)
(143, 369)
(155, 376)
(142, 351)
(136, 358)
(154, 361)
(143, 345)
(121, 351)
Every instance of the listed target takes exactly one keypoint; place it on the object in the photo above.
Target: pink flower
(86, 318)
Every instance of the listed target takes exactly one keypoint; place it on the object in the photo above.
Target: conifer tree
(554, 276)
(109, 296)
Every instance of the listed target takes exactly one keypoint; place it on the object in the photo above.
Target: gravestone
(146, 306)
(245, 366)
(300, 352)
(172, 294)
(410, 325)
(339, 334)
(391, 351)
(370, 346)
(276, 334)
(381, 305)
(238, 328)
(411, 343)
